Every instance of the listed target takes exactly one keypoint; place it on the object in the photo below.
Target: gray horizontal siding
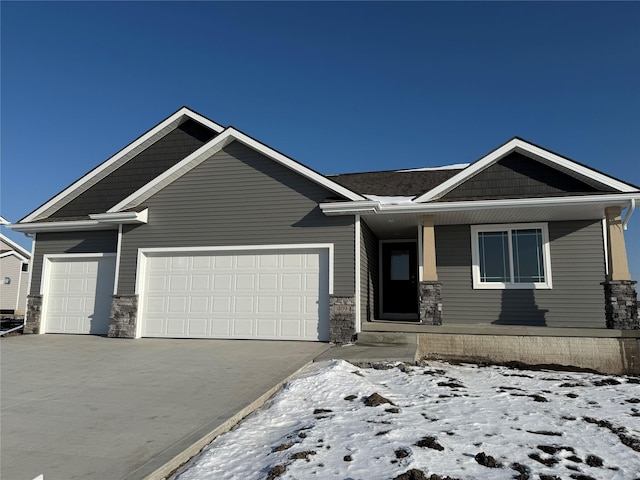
(69, 242)
(139, 170)
(240, 197)
(518, 176)
(577, 267)
(368, 272)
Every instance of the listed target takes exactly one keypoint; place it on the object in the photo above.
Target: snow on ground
(555, 425)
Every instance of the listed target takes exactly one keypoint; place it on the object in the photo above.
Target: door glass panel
(399, 265)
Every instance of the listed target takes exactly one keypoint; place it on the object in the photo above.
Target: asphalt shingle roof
(391, 183)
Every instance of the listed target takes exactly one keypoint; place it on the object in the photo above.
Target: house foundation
(621, 304)
(342, 319)
(122, 322)
(430, 294)
(34, 314)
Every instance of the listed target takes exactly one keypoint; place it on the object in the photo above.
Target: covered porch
(406, 263)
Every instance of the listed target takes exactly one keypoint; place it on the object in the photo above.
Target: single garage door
(254, 294)
(78, 294)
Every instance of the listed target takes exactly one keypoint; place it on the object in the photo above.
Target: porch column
(430, 289)
(621, 308)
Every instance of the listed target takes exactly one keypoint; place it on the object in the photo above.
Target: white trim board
(213, 147)
(14, 246)
(13, 253)
(117, 160)
(519, 145)
(369, 207)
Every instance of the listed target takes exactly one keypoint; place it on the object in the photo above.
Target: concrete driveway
(79, 406)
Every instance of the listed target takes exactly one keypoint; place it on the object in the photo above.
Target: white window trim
(475, 257)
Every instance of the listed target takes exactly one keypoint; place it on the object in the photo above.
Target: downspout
(632, 207)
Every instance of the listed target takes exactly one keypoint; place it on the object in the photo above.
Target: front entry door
(399, 286)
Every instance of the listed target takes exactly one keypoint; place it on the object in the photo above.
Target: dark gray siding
(368, 272)
(240, 197)
(577, 267)
(69, 242)
(138, 171)
(518, 176)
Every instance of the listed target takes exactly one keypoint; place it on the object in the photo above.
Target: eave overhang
(98, 221)
(70, 226)
(119, 218)
(622, 200)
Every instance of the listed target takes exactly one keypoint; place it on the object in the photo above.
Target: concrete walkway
(86, 407)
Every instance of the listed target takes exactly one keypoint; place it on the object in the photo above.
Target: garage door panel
(200, 282)
(198, 327)
(267, 304)
(242, 327)
(222, 282)
(220, 327)
(177, 305)
(243, 304)
(78, 294)
(253, 294)
(179, 283)
(267, 328)
(176, 326)
(198, 305)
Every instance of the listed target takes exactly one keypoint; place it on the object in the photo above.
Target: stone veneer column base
(430, 302)
(34, 314)
(342, 319)
(124, 310)
(620, 304)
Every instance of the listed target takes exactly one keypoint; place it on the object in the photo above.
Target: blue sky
(338, 86)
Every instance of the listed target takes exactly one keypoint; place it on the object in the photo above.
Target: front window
(511, 256)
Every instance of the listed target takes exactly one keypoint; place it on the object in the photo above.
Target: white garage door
(78, 294)
(273, 294)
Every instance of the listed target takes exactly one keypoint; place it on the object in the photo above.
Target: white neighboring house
(14, 275)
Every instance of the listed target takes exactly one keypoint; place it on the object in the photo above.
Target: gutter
(99, 221)
(627, 217)
(374, 207)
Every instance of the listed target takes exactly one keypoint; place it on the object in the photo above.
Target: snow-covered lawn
(449, 421)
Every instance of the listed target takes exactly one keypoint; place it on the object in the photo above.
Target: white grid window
(511, 256)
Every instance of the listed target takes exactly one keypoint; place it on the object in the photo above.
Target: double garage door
(265, 294)
(250, 294)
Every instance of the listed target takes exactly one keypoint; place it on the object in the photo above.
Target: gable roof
(528, 149)
(15, 249)
(229, 135)
(150, 181)
(118, 160)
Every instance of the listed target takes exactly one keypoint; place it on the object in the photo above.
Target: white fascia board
(14, 245)
(187, 112)
(60, 226)
(175, 172)
(350, 208)
(14, 254)
(517, 144)
(295, 166)
(213, 147)
(120, 218)
(120, 158)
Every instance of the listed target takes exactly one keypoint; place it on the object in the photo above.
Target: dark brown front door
(399, 275)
